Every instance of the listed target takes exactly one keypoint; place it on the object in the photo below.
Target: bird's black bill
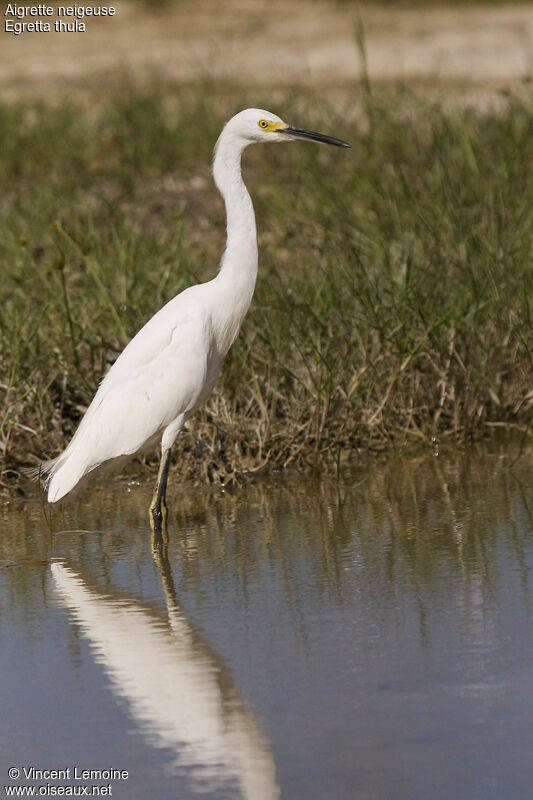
(299, 133)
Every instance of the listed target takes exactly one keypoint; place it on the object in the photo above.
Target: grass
(395, 293)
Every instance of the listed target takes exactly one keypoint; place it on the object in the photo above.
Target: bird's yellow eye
(263, 123)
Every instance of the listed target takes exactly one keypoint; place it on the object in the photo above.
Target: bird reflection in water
(176, 686)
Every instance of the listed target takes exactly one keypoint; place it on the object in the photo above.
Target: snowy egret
(170, 367)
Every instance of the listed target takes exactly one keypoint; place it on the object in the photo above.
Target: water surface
(366, 638)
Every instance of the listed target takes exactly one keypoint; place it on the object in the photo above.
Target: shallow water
(369, 638)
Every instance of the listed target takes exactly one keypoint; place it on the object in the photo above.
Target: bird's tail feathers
(44, 470)
(58, 480)
(62, 480)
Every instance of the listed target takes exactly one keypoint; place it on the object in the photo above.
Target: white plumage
(157, 381)
(170, 367)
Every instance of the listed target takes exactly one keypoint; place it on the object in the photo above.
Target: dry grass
(394, 298)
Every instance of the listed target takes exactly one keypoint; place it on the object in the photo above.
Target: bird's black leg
(158, 506)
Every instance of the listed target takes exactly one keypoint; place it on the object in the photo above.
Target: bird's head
(256, 125)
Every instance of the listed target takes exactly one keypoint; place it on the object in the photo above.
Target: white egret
(170, 367)
(175, 686)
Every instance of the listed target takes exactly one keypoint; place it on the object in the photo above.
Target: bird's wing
(179, 315)
(160, 375)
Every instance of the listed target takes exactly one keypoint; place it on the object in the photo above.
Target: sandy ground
(274, 42)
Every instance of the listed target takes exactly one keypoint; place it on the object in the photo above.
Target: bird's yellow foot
(158, 514)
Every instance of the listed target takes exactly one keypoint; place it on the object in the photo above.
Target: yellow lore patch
(269, 127)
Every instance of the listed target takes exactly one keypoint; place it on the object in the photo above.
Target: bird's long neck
(238, 268)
